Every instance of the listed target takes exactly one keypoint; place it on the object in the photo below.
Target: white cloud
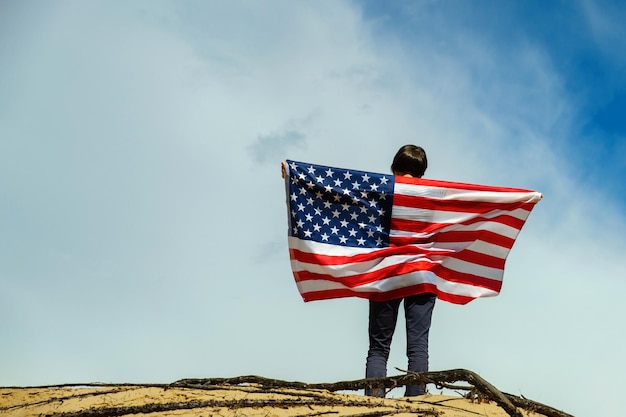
(604, 20)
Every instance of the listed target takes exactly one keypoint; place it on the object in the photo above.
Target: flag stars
(337, 206)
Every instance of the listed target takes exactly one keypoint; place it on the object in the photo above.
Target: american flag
(376, 236)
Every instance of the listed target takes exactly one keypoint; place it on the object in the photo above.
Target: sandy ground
(241, 401)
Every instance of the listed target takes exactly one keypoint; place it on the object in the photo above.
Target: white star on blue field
(143, 224)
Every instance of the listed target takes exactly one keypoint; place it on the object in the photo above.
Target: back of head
(410, 159)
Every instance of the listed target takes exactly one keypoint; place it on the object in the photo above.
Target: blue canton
(339, 206)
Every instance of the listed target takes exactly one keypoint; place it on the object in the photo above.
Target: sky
(143, 225)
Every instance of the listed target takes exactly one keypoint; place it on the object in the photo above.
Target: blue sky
(142, 215)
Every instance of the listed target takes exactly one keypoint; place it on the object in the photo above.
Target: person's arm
(283, 169)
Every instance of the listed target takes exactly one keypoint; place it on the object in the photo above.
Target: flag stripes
(368, 235)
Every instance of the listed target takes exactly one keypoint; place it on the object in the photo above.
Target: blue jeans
(418, 310)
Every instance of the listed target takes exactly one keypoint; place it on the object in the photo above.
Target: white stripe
(495, 227)
(356, 268)
(445, 193)
(472, 268)
(439, 216)
(430, 216)
(476, 246)
(398, 282)
(383, 261)
(326, 248)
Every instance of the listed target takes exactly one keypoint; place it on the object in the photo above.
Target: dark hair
(410, 159)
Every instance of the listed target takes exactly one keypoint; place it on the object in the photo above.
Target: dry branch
(507, 402)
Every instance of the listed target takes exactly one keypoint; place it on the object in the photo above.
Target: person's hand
(283, 169)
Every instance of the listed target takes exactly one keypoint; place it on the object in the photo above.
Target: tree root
(507, 402)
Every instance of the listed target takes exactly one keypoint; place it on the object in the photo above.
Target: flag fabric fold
(377, 236)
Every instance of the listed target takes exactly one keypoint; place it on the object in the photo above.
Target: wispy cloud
(274, 146)
(605, 21)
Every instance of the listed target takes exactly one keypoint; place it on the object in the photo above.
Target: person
(409, 161)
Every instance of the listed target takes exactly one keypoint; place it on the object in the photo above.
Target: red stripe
(442, 272)
(478, 258)
(374, 254)
(426, 203)
(457, 185)
(453, 236)
(470, 236)
(416, 226)
(505, 219)
(386, 296)
(467, 255)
